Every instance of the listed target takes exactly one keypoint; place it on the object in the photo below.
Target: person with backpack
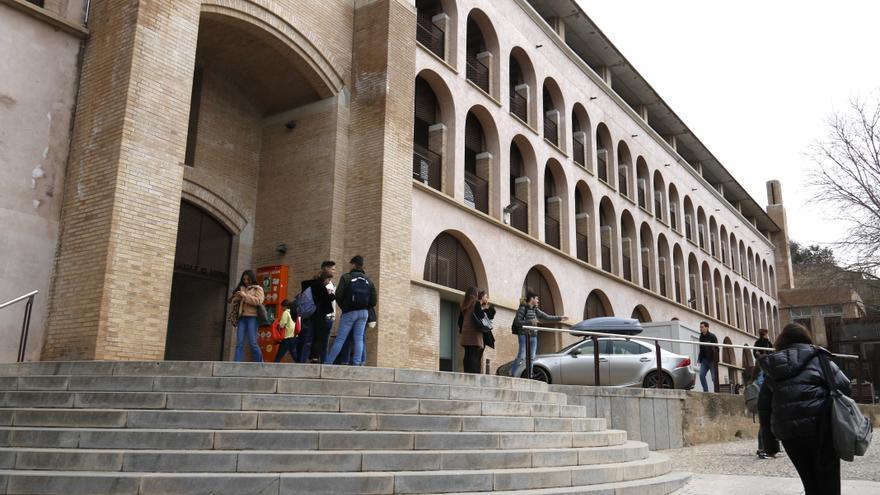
(246, 300)
(357, 297)
(287, 328)
(762, 341)
(314, 303)
(529, 314)
(751, 394)
(793, 406)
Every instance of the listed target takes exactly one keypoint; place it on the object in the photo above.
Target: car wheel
(651, 381)
(538, 374)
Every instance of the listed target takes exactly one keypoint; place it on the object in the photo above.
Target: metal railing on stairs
(26, 322)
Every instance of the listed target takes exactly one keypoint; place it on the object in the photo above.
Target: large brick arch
(323, 76)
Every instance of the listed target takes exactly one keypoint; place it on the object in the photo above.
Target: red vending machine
(273, 279)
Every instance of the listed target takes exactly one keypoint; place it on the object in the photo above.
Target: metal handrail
(26, 323)
(19, 298)
(660, 376)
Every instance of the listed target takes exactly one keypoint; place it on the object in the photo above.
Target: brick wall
(119, 218)
(379, 195)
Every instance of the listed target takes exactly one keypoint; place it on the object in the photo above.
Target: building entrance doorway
(197, 315)
(449, 357)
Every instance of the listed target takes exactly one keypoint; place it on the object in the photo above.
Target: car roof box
(610, 324)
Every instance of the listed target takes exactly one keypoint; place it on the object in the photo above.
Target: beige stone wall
(37, 94)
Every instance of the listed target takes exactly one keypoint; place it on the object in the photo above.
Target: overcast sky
(755, 81)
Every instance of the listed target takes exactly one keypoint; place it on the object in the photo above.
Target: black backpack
(358, 293)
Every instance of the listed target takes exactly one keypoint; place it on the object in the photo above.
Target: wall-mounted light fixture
(290, 125)
(593, 98)
(281, 249)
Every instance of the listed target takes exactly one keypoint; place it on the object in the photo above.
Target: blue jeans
(345, 357)
(519, 363)
(355, 323)
(247, 328)
(706, 365)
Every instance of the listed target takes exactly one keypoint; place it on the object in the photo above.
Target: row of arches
(598, 236)
(593, 150)
(453, 261)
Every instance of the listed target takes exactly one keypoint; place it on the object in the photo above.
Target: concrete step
(137, 418)
(281, 402)
(264, 370)
(660, 485)
(250, 439)
(295, 386)
(263, 461)
(399, 482)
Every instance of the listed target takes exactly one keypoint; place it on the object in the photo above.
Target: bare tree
(847, 180)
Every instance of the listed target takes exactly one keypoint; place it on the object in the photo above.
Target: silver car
(622, 363)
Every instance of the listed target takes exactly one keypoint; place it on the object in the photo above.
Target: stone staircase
(246, 428)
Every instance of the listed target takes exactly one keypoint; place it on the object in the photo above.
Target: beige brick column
(379, 184)
(113, 270)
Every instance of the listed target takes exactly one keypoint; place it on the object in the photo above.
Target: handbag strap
(826, 370)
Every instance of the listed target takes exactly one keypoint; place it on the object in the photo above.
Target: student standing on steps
(245, 299)
(356, 296)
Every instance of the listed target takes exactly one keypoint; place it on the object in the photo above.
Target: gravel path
(738, 458)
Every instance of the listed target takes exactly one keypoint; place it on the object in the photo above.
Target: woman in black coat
(794, 407)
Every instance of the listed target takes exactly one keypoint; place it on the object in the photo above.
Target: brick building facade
(208, 133)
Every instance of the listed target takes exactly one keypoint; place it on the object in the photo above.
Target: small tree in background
(810, 255)
(847, 181)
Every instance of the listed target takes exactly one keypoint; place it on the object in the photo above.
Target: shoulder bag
(851, 431)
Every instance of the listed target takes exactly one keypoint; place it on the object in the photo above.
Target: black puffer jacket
(793, 397)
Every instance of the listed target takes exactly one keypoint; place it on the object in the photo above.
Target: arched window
(646, 250)
(643, 185)
(641, 313)
(552, 100)
(624, 170)
(701, 228)
(664, 266)
(603, 153)
(519, 190)
(448, 264)
(674, 209)
(628, 245)
(713, 237)
(580, 134)
(678, 272)
(522, 84)
(427, 152)
(607, 235)
(431, 24)
(597, 305)
(583, 208)
(477, 165)
(553, 208)
(481, 51)
(660, 209)
(689, 219)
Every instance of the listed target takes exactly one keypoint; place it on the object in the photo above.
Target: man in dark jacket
(316, 331)
(708, 355)
(792, 407)
(356, 296)
(762, 341)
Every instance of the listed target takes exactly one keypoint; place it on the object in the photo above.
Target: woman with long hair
(794, 407)
(471, 332)
(245, 299)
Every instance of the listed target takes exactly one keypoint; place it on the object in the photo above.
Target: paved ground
(732, 468)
